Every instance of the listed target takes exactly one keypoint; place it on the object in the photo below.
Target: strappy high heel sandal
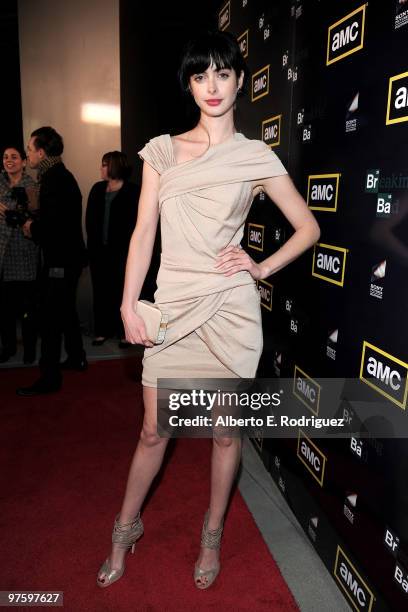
(210, 538)
(126, 535)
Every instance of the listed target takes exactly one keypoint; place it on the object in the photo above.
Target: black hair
(118, 165)
(48, 139)
(18, 148)
(215, 46)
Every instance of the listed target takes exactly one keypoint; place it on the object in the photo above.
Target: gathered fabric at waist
(177, 281)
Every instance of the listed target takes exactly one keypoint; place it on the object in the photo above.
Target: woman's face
(104, 171)
(214, 91)
(12, 161)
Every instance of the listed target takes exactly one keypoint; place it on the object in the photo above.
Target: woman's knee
(149, 436)
(226, 442)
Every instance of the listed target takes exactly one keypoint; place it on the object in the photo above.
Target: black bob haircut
(211, 46)
(48, 139)
(118, 166)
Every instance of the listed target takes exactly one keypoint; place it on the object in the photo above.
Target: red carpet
(64, 461)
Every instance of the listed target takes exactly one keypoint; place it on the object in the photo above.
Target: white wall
(69, 57)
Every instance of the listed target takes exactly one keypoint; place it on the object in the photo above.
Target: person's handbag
(154, 319)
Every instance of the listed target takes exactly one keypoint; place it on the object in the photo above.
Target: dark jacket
(122, 219)
(59, 228)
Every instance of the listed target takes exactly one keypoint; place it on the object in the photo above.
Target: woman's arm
(140, 255)
(285, 195)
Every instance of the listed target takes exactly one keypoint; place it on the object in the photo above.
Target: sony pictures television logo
(346, 36)
(351, 582)
(277, 363)
(397, 105)
(385, 374)
(312, 527)
(352, 114)
(401, 13)
(377, 280)
(349, 507)
(331, 347)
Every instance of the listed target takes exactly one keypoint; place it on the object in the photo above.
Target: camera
(21, 213)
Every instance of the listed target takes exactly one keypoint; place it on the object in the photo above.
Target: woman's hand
(135, 330)
(234, 259)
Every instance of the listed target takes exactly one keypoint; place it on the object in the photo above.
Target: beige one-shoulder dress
(214, 326)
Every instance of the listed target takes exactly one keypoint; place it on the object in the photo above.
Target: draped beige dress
(214, 328)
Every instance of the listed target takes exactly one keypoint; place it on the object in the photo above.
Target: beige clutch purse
(154, 319)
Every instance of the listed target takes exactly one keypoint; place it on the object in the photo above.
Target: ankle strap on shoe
(210, 538)
(127, 533)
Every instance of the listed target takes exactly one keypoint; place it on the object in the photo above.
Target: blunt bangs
(212, 48)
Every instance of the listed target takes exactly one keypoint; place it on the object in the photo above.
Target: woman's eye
(224, 74)
(198, 77)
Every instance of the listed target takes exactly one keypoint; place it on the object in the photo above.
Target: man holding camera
(58, 231)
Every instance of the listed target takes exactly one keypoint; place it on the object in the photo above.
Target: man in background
(58, 231)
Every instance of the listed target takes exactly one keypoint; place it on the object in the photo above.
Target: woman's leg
(146, 462)
(226, 456)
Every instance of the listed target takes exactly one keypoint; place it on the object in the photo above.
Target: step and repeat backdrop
(329, 94)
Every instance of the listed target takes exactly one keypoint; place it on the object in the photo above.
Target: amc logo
(385, 374)
(357, 591)
(244, 43)
(256, 236)
(323, 191)
(397, 106)
(329, 263)
(224, 16)
(306, 390)
(346, 36)
(265, 291)
(311, 457)
(271, 130)
(260, 83)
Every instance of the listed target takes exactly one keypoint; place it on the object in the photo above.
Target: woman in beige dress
(201, 185)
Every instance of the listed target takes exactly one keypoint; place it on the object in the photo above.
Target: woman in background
(18, 257)
(110, 220)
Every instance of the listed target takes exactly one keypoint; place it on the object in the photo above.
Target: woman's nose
(212, 84)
